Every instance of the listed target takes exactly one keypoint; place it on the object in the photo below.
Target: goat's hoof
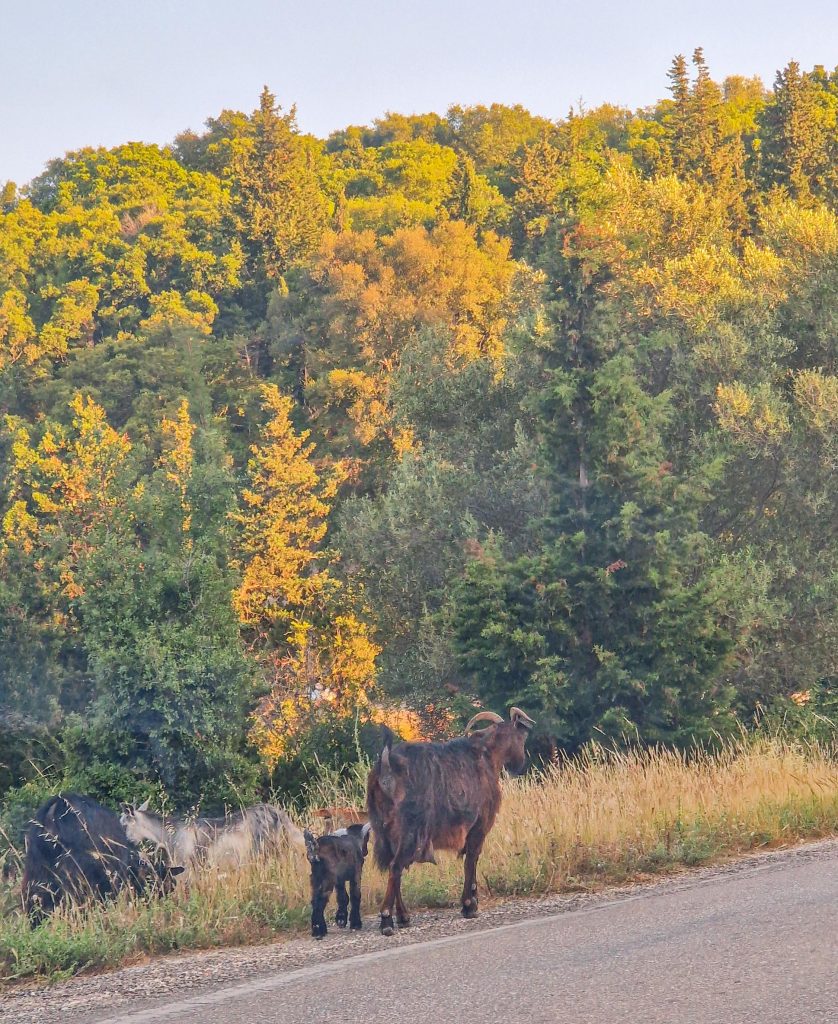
(318, 931)
(340, 922)
(470, 911)
(404, 922)
(356, 926)
(387, 926)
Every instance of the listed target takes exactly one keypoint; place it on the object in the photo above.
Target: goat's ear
(144, 805)
(312, 850)
(386, 778)
(177, 870)
(521, 719)
(365, 838)
(390, 764)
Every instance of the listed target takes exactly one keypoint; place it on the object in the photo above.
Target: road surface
(758, 945)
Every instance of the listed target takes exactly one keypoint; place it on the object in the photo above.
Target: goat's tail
(382, 851)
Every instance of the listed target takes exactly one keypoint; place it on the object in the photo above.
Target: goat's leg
(355, 903)
(394, 881)
(341, 917)
(39, 902)
(318, 912)
(402, 915)
(474, 845)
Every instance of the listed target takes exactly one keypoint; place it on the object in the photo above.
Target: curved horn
(482, 716)
(519, 717)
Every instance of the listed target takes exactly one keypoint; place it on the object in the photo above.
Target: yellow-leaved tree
(176, 461)
(64, 487)
(301, 621)
(349, 319)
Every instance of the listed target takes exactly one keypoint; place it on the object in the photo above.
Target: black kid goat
(423, 796)
(337, 859)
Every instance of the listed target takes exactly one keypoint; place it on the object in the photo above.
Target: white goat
(233, 839)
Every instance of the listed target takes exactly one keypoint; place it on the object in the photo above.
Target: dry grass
(600, 819)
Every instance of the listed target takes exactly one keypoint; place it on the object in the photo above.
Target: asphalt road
(759, 945)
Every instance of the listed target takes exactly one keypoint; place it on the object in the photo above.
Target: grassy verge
(601, 819)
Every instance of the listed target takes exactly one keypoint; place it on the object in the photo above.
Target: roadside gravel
(186, 973)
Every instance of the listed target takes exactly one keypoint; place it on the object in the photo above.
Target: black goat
(76, 849)
(422, 796)
(337, 859)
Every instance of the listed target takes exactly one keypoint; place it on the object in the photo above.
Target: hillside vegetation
(300, 436)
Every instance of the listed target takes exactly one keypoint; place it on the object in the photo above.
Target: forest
(302, 437)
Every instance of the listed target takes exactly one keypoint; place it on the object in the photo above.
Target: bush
(329, 747)
(811, 716)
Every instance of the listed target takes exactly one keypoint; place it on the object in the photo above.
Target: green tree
(173, 685)
(472, 199)
(494, 137)
(616, 625)
(702, 145)
(280, 206)
(797, 136)
(130, 574)
(470, 473)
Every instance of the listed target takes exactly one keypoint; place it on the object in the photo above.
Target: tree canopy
(303, 435)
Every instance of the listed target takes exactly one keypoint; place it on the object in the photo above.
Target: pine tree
(793, 152)
(679, 86)
(700, 149)
(8, 197)
(537, 201)
(471, 198)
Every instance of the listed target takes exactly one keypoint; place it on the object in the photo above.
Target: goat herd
(421, 797)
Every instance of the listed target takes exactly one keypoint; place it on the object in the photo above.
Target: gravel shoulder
(203, 971)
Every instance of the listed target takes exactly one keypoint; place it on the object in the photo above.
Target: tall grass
(601, 818)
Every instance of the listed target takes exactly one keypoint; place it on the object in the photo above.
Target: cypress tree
(281, 208)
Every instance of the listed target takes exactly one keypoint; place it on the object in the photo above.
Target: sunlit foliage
(304, 436)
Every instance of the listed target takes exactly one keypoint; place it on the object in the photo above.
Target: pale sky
(79, 73)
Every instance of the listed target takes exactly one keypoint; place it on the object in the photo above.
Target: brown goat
(340, 817)
(427, 796)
